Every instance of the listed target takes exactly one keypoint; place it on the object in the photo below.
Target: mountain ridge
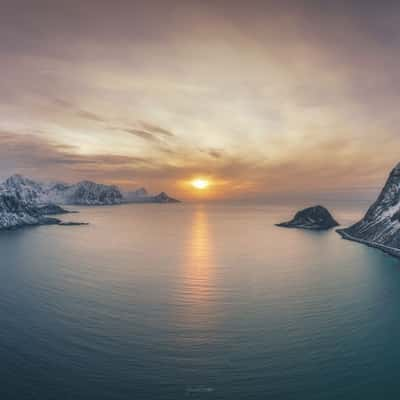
(85, 192)
(25, 202)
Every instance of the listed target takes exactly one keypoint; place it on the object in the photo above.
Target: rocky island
(314, 218)
(380, 226)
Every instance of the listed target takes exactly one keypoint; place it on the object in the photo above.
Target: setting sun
(200, 184)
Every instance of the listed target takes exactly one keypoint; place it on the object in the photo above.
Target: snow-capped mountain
(15, 212)
(85, 193)
(25, 189)
(381, 225)
(82, 193)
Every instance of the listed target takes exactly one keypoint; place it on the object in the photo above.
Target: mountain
(380, 226)
(24, 202)
(24, 188)
(15, 212)
(85, 193)
(164, 198)
(159, 198)
(135, 195)
(82, 193)
(314, 218)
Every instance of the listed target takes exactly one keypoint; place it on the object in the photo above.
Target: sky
(266, 99)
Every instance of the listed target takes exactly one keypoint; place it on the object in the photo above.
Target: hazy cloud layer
(310, 174)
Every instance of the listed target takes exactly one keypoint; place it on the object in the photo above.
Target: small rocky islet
(313, 218)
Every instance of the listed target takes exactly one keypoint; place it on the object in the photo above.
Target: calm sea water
(196, 302)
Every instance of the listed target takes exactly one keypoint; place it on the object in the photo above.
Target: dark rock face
(315, 218)
(72, 223)
(380, 226)
(52, 209)
(164, 198)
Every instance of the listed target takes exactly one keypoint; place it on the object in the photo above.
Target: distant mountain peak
(141, 196)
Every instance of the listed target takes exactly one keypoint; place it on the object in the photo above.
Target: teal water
(196, 302)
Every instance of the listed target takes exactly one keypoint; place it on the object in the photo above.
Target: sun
(200, 184)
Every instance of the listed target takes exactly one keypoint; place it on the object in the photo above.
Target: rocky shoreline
(386, 249)
(380, 227)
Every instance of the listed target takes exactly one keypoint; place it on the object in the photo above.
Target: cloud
(89, 115)
(31, 154)
(63, 103)
(214, 153)
(66, 105)
(309, 174)
(149, 132)
(141, 133)
(156, 129)
(144, 130)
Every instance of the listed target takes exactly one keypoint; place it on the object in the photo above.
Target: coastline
(386, 249)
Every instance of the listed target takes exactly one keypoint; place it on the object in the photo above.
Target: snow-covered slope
(14, 212)
(381, 225)
(25, 189)
(85, 193)
(82, 193)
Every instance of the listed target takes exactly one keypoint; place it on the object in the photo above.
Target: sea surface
(191, 301)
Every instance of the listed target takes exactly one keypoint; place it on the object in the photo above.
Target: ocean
(192, 301)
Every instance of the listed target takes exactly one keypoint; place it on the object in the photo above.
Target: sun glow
(200, 184)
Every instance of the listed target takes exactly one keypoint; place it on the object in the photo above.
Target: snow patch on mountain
(15, 212)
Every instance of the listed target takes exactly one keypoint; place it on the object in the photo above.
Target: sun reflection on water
(198, 283)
